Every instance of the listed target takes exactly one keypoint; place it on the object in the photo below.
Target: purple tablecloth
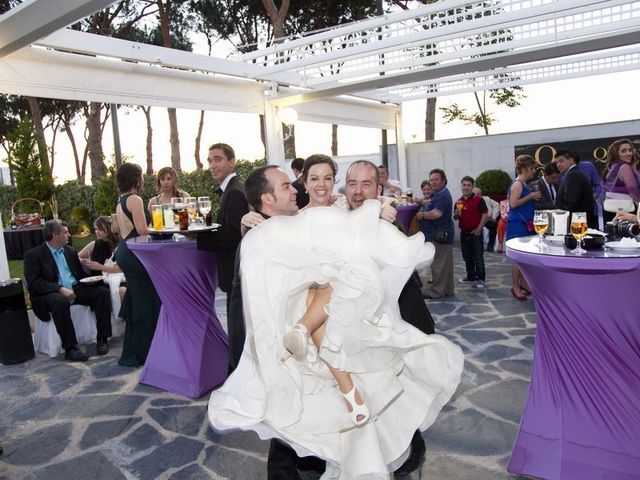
(581, 419)
(406, 212)
(188, 354)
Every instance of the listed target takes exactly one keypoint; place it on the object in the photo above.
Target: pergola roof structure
(341, 75)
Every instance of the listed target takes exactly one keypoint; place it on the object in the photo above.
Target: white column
(402, 153)
(4, 264)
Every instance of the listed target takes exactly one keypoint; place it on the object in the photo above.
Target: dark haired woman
(141, 304)
(95, 254)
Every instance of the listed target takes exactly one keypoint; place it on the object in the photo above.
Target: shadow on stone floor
(58, 419)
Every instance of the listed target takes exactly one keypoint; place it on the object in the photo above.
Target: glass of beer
(579, 229)
(157, 217)
(540, 223)
(192, 208)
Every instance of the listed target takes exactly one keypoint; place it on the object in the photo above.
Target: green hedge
(494, 182)
(79, 205)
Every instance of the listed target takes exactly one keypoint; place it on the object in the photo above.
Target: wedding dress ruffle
(404, 376)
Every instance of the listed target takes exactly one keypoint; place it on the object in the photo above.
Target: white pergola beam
(52, 74)
(34, 19)
(436, 72)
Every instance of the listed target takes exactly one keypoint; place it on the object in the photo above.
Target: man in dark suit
(52, 272)
(546, 185)
(575, 193)
(233, 205)
(302, 197)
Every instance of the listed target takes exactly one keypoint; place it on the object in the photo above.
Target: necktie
(552, 191)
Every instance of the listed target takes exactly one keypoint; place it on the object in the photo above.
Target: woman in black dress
(141, 304)
(95, 255)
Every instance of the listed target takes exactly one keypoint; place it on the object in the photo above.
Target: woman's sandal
(295, 343)
(359, 414)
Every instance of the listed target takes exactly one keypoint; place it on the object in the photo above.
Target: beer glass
(540, 223)
(579, 229)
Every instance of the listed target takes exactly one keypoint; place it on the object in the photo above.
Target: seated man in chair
(52, 272)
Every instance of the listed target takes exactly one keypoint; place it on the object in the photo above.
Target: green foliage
(494, 182)
(75, 204)
(106, 193)
(33, 180)
(8, 195)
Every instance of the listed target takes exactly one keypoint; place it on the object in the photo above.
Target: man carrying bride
(329, 366)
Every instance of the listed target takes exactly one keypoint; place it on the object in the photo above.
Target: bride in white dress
(402, 376)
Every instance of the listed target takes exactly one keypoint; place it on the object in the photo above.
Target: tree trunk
(334, 140)
(430, 120)
(482, 109)
(149, 146)
(276, 17)
(290, 142)
(174, 139)
(196, 154)
(74, 149)
(263, 132)
(94, 142)
(164, 9)
(36, 115)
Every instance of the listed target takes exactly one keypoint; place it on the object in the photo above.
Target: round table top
(531, 244)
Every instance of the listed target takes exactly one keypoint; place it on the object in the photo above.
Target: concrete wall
(471, 156)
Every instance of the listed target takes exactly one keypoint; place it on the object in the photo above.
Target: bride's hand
(251, 219)
(387, 210)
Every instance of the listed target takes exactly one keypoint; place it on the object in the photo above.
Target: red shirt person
(471, 213)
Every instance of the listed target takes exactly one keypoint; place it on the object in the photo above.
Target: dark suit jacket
(225, 240)
(545, 202)
(41, 274)
(576, 195)
(302, 197)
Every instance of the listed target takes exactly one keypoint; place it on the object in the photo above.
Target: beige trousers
(441, 272)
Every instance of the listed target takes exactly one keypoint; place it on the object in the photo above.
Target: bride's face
(319, 184)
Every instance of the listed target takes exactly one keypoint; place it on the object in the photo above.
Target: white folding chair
(46, 339)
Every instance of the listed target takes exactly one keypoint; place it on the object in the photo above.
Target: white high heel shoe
(295, 343)
(357, 410)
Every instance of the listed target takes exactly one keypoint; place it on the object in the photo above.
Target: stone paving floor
(60, 420)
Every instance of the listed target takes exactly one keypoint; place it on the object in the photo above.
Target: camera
(621, 229)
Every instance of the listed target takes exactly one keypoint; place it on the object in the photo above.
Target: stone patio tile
(92, 465)
(505, 399)
(174, 454)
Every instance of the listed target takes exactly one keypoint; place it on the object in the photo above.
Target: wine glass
(191, 204)
(579, 229)
(204, 206)
(540, 223)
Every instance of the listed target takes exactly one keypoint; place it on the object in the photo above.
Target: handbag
(618, 202)
(441, 236)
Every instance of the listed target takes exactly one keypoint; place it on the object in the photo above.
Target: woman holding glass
(141, 304)
(520, 220)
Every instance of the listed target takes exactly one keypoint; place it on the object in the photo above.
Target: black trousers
(492, 226)
(96, 297)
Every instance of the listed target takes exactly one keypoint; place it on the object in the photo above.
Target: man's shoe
(465, 280)
(74, 355)
(102, 347)
(479, 284)
(413, 461)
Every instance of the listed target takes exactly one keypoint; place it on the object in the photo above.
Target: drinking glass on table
(192, 207)
(579, 229)
(157, 217)
(177, 204)
(540, 223)
(204, 206)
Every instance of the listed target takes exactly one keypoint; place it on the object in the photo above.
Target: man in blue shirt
(437, 225)
(53, 273)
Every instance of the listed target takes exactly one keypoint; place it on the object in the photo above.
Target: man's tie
(552, 193)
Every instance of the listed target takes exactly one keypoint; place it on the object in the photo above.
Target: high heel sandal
(525, 290)
(357, 410)
(521, 297)
(295, 343)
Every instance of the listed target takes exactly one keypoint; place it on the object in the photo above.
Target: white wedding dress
(404, 376)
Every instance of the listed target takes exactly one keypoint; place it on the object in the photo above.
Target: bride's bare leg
(295, 341)
(315, 315)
